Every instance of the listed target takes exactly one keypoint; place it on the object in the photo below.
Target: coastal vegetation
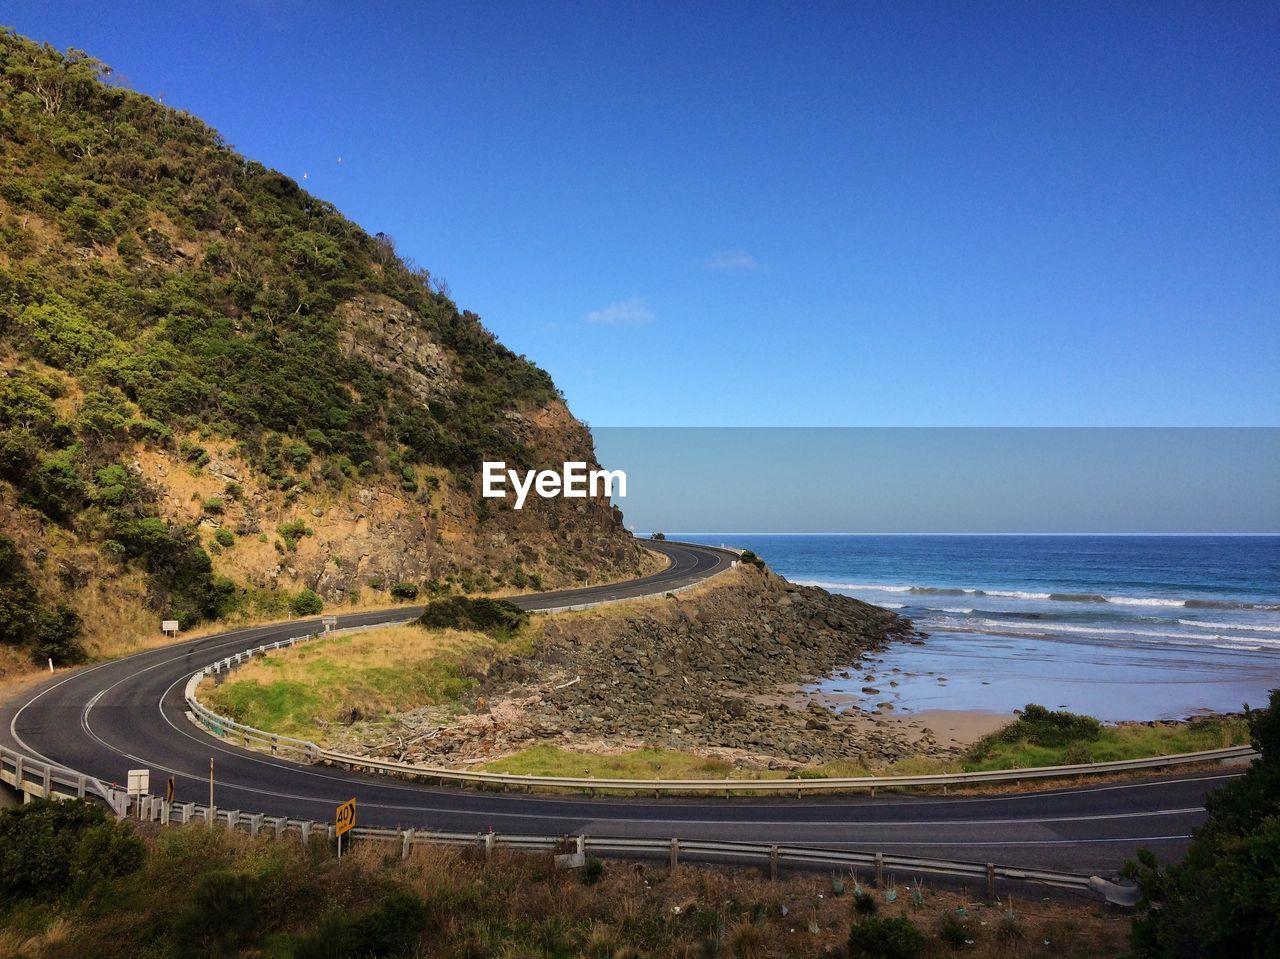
(192, 891)
(1223, 898)
(196, 353)
(1112, 743)
(1065, 739)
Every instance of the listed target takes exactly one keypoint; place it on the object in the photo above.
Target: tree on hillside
(1223, 899)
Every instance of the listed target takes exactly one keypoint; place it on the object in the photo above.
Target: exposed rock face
(698, 671)
(385, 333)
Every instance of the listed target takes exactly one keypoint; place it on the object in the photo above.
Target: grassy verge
(1056, 739)
(299, 691)
(194, 891)
(1112, 743)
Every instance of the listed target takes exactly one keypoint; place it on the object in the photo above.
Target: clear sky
(882, 213)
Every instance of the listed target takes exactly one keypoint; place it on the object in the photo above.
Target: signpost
(139, 785)
(169, 627)
(329, 623)
(344, 821)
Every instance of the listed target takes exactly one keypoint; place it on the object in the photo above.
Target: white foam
(1016, 594)
(1144, 601)
(858, 586)
(1049, 629)
(1246, 627)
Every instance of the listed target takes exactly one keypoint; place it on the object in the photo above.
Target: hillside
(217, 393)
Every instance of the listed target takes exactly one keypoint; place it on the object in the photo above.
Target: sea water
(1120, 627)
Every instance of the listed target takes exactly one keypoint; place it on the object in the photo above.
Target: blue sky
(781, 214)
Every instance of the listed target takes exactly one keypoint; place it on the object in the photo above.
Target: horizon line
(1273, 535)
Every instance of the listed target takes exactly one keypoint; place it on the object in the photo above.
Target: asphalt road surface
(104, 720)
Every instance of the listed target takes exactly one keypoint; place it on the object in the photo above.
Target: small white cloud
(729, 261)
(632, 312)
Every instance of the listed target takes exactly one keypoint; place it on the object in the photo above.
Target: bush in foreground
(885, 938)
(49, 847)
(1223, 899)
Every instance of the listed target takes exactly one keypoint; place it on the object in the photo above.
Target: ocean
(1120, 627)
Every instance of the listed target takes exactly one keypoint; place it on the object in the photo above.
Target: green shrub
(47, 846)
(1041, 727)
(497, 617)
(1077, 754)
(885, 938)
(213, 505)
(307, 603)
(57, 637)
(394, 929)
(865, 904)
(224, 537)
(149, 431)
(51, 632)
(223, 916)
(955, 931)
(405, 591)
(293, 531)
(592, 871)
(751, 559)
(1222, 898)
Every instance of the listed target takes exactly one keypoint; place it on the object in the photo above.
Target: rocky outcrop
(387, 335)
(712, 671)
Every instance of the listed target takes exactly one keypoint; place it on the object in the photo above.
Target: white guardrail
(310, 752)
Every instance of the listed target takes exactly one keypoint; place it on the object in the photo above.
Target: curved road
(130, 713)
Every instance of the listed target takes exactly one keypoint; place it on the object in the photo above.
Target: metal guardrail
(310, 752)
(34, 777)
(776, 855)
(47, 780)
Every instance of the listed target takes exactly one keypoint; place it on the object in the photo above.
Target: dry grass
(519, 905)
(302, 690)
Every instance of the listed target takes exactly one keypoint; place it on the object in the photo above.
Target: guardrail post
(47, 784)
(82, 784)
(773, 862)
(18, 762)
(188, 812)
(275, 742)
(879, 870)
(675, 854)
(991, 882)
(280, 824)
(489, 840)
(166, 809)
(306, 831)
(406, 843)
(232, 819)
(255, 823)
